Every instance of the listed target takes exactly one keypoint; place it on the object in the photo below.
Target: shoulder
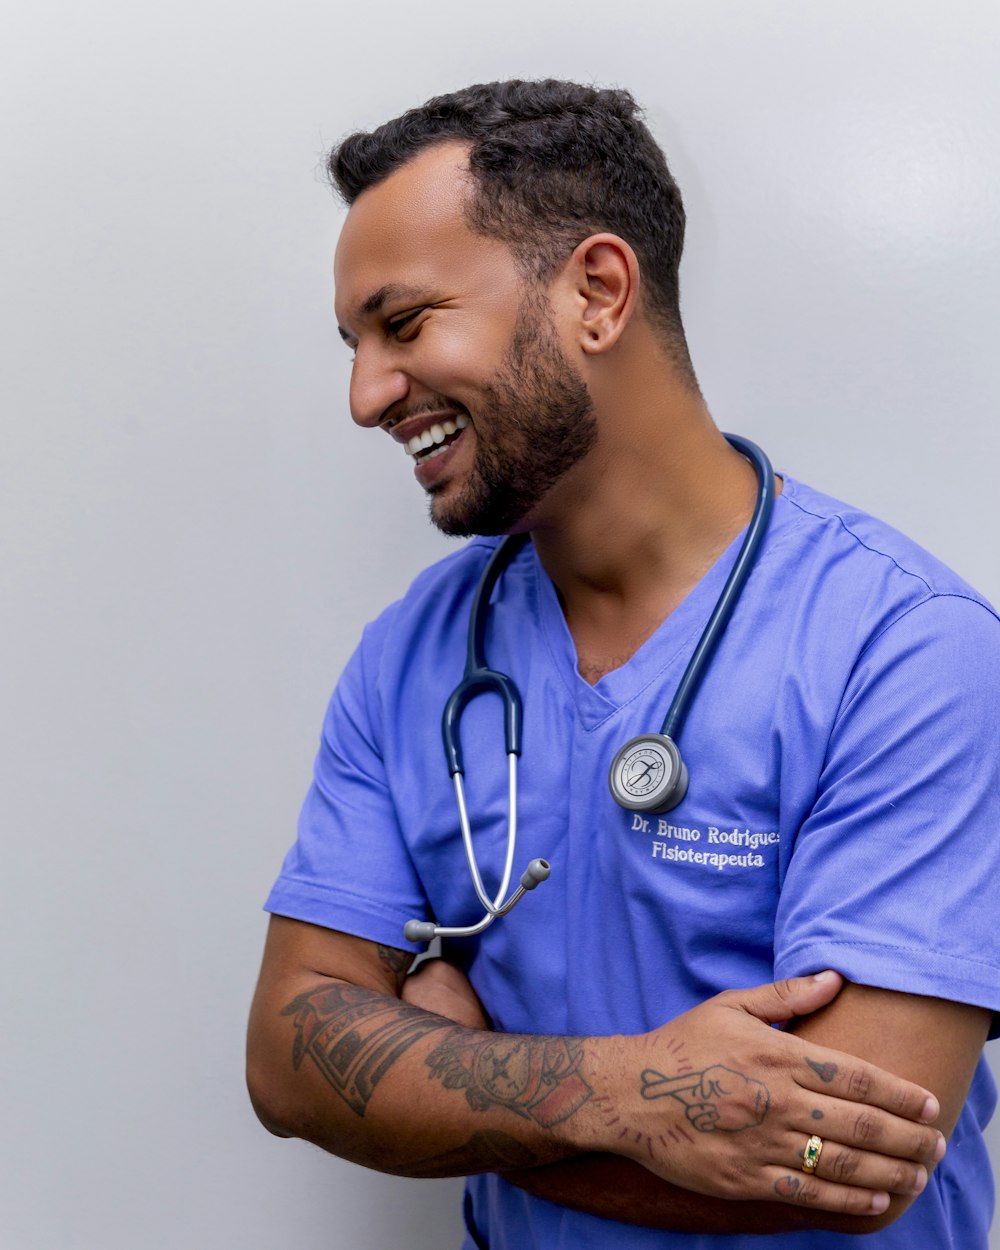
(437, 593)
(867, 570)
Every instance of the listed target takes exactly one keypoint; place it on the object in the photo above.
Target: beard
(536, 421)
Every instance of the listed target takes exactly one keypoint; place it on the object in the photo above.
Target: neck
(632, 529)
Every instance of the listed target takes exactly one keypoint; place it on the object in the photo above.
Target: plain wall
(193, 533)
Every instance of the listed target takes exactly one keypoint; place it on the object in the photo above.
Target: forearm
(619, 1189)
(715, 1102)
(391, 1086)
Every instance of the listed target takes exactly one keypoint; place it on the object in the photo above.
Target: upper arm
(894, 879)
(298, 957)
(930, 1041)
(350, 868)
(894, 875)
(297, 953)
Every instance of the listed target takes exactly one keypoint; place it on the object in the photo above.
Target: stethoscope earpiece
(648, 774)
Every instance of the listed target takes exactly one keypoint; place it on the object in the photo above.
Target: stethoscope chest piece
(648, 774)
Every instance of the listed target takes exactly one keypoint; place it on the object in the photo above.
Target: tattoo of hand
(717, 1098)
(535, 1077)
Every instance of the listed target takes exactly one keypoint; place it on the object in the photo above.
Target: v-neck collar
(659, 660)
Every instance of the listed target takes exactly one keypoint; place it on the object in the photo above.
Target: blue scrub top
(842, 812)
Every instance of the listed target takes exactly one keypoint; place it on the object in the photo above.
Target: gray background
(192, 531)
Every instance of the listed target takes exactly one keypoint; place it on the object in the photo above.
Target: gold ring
(811, 1154)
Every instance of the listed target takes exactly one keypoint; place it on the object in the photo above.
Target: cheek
(464, 353)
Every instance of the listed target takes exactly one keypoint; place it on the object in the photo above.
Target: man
(507, 280)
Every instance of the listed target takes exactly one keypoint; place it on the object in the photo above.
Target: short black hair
(553, 162)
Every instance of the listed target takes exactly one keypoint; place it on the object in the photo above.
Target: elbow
(265, 1104)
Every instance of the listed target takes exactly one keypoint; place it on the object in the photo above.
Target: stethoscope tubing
(713, 631)
(478, 677)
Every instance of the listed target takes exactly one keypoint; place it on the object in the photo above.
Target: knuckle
(732, 1178)
(809, 1193)
(865, 1128)
(859, 1085)
(903, 1180)
(924, 1146)
(845, 1164)
(900, 1102)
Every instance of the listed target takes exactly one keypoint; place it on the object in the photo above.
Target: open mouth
(438, 438)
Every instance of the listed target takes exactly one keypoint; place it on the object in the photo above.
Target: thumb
(784, 1000)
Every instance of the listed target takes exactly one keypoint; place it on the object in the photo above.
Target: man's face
(456, 356)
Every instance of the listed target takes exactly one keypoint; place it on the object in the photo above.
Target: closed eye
(396, 325)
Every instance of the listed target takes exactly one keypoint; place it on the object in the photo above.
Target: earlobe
(607, 281)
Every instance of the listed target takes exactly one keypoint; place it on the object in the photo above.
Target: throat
(606, 642)
(593, 668)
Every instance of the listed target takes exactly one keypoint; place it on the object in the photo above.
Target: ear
(605, 273)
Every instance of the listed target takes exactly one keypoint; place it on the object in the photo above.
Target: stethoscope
(647, 774)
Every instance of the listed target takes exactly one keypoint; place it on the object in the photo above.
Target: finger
(811, 1191)
(842, 1076)
(873, 1131)
(784, 1000)
(846, 1165)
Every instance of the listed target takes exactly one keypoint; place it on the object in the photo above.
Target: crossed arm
(652, 1129)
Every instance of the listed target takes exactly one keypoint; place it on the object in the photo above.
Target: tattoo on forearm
(716, 1099)
(354, 1036)
(396, 961)
(537, 1078)
(825, 1071)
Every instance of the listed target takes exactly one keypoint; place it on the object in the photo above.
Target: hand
(439, 987)
(718, 1102)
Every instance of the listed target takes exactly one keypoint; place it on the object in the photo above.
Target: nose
(376, 384)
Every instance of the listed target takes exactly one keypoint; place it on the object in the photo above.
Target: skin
(929, 1036)
(655, 1128)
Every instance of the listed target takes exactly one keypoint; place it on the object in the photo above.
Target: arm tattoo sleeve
(354, 1036)
(537, 1078)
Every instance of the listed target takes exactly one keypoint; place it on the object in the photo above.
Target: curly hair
(552, 162)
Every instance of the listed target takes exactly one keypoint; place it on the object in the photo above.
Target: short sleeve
(349, 868)
(894, 879)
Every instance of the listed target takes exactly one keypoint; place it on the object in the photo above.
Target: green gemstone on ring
(810, 1156)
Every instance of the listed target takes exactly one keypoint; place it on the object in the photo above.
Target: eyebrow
(378, 299)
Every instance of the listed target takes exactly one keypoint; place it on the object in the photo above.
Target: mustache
(402, 411)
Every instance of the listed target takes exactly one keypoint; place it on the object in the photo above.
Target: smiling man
(598, 1061)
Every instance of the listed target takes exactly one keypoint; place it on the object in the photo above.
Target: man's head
(551, 163)
(485, 274)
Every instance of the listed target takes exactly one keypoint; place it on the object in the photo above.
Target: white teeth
(433, 437)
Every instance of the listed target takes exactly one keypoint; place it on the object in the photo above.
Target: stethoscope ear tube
(647, 774)
(472, 684)
(738, 574)
(478, 676)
